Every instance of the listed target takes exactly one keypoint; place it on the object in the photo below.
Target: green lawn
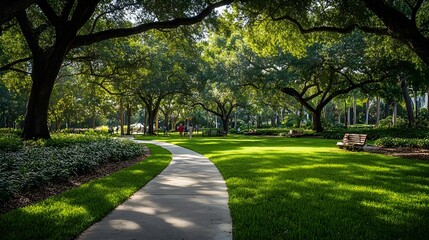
(280, 188)
(66, 215)
(298, 188)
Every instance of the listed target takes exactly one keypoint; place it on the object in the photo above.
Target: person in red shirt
(180, 129)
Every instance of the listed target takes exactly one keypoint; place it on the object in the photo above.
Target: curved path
(188, 200)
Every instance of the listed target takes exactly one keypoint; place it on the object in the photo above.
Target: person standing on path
(190, 131)
(180, 129)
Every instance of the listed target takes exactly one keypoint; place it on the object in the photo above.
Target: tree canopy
(244, 62)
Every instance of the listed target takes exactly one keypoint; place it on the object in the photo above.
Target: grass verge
(66, 215)
(300, 188)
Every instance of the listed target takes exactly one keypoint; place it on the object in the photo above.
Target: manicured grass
(66, 215)
(299, 188)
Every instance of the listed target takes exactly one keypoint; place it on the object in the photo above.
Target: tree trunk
(416, 104)
(300, 115)
(395, 111)
(128, 119)
(408, 104)
(45, 71)
(152, 111)
(150, 120)
(354, 111)
(346, 120)
(367, 112)
(317, 120)
(348, 116)
(121, 117)
(427, 100)
(156, 121)
(225, 120)
(377, 121)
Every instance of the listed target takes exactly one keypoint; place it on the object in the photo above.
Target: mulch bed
(54, 188)
(414, 153)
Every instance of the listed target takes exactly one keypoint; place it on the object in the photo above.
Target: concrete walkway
(188, 200)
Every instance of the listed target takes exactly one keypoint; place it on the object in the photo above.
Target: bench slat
(352, 140)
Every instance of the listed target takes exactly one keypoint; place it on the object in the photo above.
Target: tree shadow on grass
(322, 195)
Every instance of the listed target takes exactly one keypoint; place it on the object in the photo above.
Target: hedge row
(34, 165)
(376, 133)
(274, 132)
(402, 142)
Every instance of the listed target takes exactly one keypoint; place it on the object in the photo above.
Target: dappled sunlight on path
(188, 200)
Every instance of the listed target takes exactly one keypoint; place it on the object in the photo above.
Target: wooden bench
(352, 141)
(295, 133)
(213, 132)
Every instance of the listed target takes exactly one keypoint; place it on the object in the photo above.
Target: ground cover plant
(299, 188)
(66, 215)
(30, 164)
(376, 133)
(402, 142)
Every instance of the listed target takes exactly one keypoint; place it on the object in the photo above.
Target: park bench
(212, 132)
(353, 141)
(295, 133)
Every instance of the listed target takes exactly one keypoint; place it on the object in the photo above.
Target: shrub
(388, 122)
(44, 161)
(14, 131)
(265, 131)
(402, 142)
(376, 133)
(274, 132)
(10, 142)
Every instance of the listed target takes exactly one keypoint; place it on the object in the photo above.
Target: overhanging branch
(343, 30)
(9, 66)
(124, 32)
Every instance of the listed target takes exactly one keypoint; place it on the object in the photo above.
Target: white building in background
(422, 101)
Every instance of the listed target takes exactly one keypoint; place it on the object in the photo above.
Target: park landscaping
(66, 215)
(279, 188)
(306, 188)
(311, 70)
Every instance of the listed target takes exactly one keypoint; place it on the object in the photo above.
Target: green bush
(376, 133)
(35, 164)
(14, 131)
(266, 131)
(388, 122)
(10, 142)
(275, 131)
(402, 142)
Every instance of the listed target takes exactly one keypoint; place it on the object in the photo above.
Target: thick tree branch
(207, 109)
(83, 11)
(20, 71)
(123, 32)
(49, 12)
(9, 66)
(124, 93)
(10, 9)
(415, 10)
(292, 92)
(344, 30)
(28, 32)
(350, 88)
(107, 12)
(67, 10)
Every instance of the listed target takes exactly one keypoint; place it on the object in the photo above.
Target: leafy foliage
(57, 159)
(402, 142)
(56, 218)
(10, 142)
(376, 133)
